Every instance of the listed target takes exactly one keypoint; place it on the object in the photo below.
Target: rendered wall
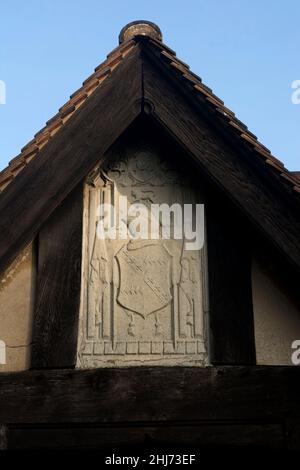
(276, 318)
(16, 307)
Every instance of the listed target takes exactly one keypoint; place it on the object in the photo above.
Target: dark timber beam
(58, 285)
(145, 394)
(231, 319)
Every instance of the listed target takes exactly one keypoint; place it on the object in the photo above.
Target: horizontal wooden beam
(157, 437)
(151, 395)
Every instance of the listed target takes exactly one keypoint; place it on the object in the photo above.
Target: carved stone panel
(143, 300)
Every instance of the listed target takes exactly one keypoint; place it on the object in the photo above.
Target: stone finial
(140, 28)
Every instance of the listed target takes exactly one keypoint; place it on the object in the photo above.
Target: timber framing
(231, 322)
(56, 314)
(143, 84)
(231, 327)
(163, 402)
(60, 406)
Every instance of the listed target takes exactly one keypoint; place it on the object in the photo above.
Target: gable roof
(296, 174)
(143, 75)
(102, 71)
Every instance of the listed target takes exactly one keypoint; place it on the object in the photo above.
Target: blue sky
(247, 51)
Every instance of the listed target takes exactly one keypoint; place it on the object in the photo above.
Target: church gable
(143, 82)
(120, 287)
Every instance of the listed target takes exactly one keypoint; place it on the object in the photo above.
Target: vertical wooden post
(58, 285)
(230, 288)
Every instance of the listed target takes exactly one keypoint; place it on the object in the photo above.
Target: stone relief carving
(143, 301)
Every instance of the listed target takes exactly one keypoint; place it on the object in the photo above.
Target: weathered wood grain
(157, 394)
(58, 285)
(231, 322)
(140, 437)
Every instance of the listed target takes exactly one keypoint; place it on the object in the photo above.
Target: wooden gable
(252, 203)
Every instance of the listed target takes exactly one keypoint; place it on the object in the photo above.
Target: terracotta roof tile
(28, 145)
(290, 178)
(100, 75)
(163, 47)
(206, 91)
(296, 174)
(226, 112)
(121, 49)
(16, 163)
(5, 178)
(30, 152)
(236, 126)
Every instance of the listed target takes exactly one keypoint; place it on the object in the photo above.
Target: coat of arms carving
(144, 277)
(144, 301)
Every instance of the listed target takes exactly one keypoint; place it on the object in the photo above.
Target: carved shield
(144, 277)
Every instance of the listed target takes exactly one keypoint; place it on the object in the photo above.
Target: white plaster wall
(276, 319)
(16, 310)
